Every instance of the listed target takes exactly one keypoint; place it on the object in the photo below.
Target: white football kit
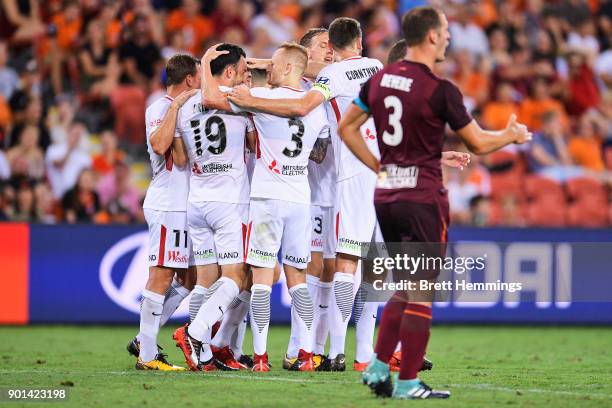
(322, 179)
(165, 203)
(279, 213)
(355, 215)
(217, 210)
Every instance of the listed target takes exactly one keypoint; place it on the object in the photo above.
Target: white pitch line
(490, 387)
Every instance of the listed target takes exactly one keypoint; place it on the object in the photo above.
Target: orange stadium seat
(506, 184)
(588, 212)
(547, 213)
(537, 187)
(582, 187)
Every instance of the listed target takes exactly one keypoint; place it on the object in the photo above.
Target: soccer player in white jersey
(217, 210)
(165, 209)
(322, 179)
(355, 217)
(279, 213)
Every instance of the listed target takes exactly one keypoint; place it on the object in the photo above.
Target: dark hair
(178, 67)
(417, 23)
(235, 53)
(397, 52)
(307, 38)
(343, 31)
(259, 75)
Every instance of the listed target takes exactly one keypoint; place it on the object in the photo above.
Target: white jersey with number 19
(215, 142)
(169, 186)
(283, 148)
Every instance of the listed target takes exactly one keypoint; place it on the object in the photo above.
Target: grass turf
(482, 366)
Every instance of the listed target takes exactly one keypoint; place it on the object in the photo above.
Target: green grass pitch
(482, 366)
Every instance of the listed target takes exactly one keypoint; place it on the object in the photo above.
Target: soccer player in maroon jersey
(411, 108)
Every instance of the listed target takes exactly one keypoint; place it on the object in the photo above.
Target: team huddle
(265, 166)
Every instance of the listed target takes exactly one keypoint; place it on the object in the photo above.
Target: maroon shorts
(408, 221)
(417, 230)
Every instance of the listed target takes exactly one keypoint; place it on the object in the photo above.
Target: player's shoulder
(373, 61)
(160, 104)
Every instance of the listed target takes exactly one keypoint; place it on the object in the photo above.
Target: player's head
(345, 33)
(288, 62)
(427, 27)
(397, 52)
(229, 68)
(183, 69)
(257, 77)
(316, 41)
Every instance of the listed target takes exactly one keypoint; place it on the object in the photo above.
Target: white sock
(313, 288)
(322, 320)
(294, 337)
(237, 339)
(196, 301)
(366, 310)
(340, 312)
(151, 307)
(232, 319)
(260, 316)
(302, 303)
(174, 296)
(222, 293)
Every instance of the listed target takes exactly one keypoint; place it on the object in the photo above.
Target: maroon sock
(414, 332)
(389, 329)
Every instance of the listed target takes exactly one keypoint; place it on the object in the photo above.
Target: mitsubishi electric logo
(123, 285)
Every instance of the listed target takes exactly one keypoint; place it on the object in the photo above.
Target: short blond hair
(297, 53)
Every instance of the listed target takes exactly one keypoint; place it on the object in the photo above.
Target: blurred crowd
(77, 75)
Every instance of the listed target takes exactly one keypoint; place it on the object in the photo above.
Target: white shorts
(276, 223)
(169, 241)
(355, 213)
(323, 231)
(217, 231)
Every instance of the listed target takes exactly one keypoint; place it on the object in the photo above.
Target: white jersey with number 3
(169, 186)
(283, 148)
(215, 142)
(343, 80)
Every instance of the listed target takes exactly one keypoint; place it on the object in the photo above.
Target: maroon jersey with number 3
(411, 107)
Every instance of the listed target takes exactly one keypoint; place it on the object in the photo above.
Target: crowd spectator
(26, 158)
(81, 203)
(65, 161)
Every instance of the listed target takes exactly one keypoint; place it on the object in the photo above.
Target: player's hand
(258, 63)
(184, 96)
(240, 95)
(212, 53)
(458, 160)
(518, 131)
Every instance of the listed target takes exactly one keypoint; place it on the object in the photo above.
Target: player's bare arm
(212, 97)
(454, 159)
(258, 63)
(348, 129)
(319, 150)
(161, 138)
(280, 107)
(250, 140)
(179, 152)
(480, 141)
